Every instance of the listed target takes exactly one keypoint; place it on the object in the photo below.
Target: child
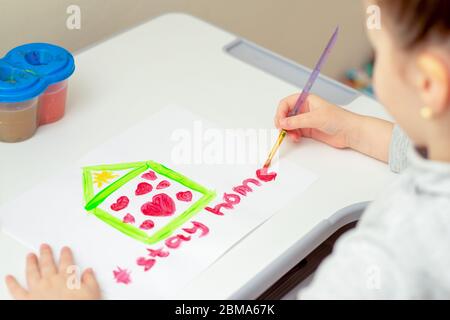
(401, 247)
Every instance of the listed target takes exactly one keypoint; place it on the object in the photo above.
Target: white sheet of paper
(53, 212)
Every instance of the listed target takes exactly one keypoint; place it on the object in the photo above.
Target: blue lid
(26, 71)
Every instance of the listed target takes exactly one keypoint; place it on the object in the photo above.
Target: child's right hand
(337, 127)
(319, 120)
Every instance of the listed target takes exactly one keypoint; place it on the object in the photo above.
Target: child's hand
(318, 119)
(326, 122)
(45, 280)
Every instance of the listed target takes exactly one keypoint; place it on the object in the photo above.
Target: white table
(178, 59)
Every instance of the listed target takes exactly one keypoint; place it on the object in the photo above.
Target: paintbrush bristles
(275, 148)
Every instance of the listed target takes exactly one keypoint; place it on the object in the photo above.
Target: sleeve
(398, 150)
(361, 267)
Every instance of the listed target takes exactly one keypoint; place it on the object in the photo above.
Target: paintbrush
(304, 95)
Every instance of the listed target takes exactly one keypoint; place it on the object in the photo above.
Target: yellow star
(103, 177)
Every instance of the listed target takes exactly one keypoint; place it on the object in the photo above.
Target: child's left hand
(46, 280)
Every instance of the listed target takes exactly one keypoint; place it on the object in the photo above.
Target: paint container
(33, 89)
(52, 103)
(18, 120)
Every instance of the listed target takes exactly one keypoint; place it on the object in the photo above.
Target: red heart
(161, 205)
(143, 188)
(128, 218)
(149, 176)
(120, 204)
(147, 225)
(163, 184)
(264, 175)
(184, 196)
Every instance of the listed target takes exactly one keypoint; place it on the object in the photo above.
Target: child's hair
(417, 21)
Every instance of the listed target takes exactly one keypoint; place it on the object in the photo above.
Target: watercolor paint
(18, 121)
(52, 103)
(172, 243)
(33, 89)
(159, 205)
(243, 190)
(122, 276)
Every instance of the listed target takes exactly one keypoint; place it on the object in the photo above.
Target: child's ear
(434, 83)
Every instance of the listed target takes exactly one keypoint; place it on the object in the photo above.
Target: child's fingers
(65, 260)
(15, 289)
(287, 104)
(46, 262)
(88, 278)
(295, 135)
(32, 270)
(304, 120)
(284, 107)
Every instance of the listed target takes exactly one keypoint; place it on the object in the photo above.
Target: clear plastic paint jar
(52, 103)
(18, 120)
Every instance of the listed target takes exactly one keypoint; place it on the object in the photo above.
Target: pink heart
(163, 184)
(120, 204)
(161, 206)
(149, 176)
(184, 196)
(143, 188)
(147, 225)
(264, 175)
(128, 218)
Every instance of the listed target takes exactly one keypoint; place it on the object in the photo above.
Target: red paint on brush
(143, 188)
(184, 196)
(161, 205)
(263, 174)
(149, 176)
(122, 276)
(120, 204)
(163, 184)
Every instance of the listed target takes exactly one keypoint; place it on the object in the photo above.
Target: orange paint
(52, 103)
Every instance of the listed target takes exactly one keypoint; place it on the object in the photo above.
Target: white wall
(297, 29)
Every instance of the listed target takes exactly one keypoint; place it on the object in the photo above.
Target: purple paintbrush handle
(312, 78)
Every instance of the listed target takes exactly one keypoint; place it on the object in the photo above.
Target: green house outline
(93, 201)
